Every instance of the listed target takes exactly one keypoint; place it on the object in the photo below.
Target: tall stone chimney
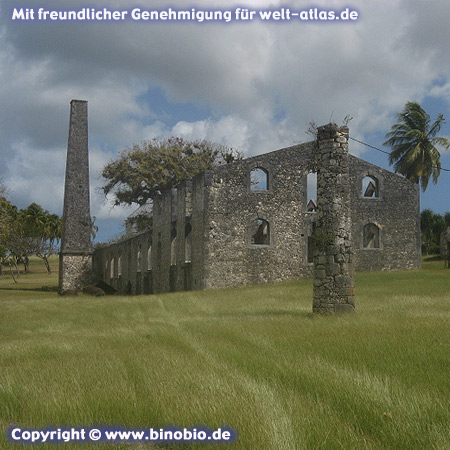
(75, 259)
(333, 254)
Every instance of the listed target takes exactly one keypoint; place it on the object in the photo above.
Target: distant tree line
(431, 226)
(26, 232)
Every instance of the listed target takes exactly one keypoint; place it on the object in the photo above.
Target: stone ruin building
(252, 221)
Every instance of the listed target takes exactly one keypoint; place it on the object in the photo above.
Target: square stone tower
(75, 259)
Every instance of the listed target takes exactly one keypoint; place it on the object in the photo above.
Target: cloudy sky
(251, 85)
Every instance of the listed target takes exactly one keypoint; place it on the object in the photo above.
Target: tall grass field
(254, 359)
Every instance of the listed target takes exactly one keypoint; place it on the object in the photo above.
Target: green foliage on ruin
(321, 239)
(145, 170)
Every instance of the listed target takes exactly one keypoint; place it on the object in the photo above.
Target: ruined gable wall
(395, 211)
(220, 206)
(231, 259)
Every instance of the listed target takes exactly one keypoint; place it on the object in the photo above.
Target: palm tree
(53, 228)
(413, 141)
(41, 230)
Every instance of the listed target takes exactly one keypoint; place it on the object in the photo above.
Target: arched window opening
(370, 187)
(259, 179)
(173, 244)
(139, 259)
(187, 242)
(371, 236)
(311, 192)
(260, 232)
(111, 275)
(119, 266)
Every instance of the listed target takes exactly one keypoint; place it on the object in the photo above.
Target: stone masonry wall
(231, 259)
(77, 270)
(222, 206)
(395, 211)
(333, 253)
(156, 260)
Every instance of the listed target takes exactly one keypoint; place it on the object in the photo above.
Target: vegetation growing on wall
(145, 170)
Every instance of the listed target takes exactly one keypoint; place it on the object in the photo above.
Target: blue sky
(253, 86)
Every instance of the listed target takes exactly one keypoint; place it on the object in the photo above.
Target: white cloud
(262, 82)
(441, 91)
(33, 174)
(228, 130)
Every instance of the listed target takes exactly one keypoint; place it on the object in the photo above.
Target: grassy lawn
(252, 358)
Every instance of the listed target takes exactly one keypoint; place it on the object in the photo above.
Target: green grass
(252, 358)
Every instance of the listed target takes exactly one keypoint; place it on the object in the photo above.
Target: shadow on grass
(269, 313)
(433, 258)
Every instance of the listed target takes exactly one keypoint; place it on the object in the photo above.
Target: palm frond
(413, 145)
(441, 141)
(435, 128)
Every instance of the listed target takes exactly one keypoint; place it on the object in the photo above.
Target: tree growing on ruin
(413, 141)
(144, 171)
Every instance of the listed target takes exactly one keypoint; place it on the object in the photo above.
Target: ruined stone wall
(197, 203)
(233, 206)
(222, 205)
(159, 259)
(230, 257)
(162, 227)
(394, 210)
(124, 265)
